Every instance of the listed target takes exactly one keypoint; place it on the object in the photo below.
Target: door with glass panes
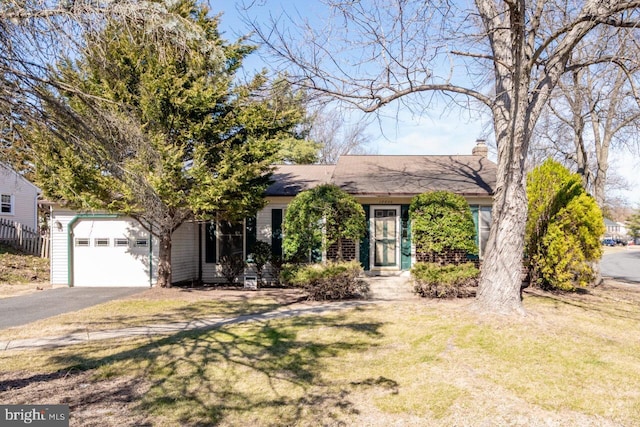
(385, 236)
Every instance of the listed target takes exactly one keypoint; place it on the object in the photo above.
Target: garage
(110, 252)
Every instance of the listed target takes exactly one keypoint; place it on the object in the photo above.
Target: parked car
(609, 242)
(621, 242)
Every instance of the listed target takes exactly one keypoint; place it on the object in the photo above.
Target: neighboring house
(18, 198)
(93, 249)
(615, 230)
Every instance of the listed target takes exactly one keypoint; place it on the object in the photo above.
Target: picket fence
(24, 238)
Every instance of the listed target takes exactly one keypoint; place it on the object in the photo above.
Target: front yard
(574, 360)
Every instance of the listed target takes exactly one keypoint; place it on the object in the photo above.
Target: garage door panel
(110, 253)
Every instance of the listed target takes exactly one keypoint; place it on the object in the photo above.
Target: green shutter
(476, 223)
(210, 243)
(276, 231)
(250, 234)
(405, 238)
(365, 242)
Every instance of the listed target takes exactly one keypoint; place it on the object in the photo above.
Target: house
(18, 198)
(615, 230)
(98, 249)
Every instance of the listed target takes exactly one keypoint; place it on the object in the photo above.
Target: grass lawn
(574, 360)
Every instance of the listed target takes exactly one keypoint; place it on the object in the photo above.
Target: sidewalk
(173, 328)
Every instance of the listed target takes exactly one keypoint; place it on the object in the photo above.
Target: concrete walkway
(383, 288)
(391, 288)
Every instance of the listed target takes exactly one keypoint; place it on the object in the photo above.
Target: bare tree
(337, 137)
(508, 55)
(594, 110)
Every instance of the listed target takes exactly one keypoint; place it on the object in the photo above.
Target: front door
(385, 237)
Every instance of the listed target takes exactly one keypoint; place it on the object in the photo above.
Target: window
(484, 227)
(101, 242)
(6, 204)
(482, 221)
(141, 243)
(231, 239)
(82, 242)
(120, 242)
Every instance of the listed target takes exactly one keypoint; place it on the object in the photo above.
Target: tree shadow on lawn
(269, 372)
(193, 312)
(601, 302)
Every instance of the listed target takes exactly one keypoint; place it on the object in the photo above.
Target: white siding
(184, 253)
(24, 196)
(59, 246)
(263, 221)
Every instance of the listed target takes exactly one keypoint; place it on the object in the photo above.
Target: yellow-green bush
(563, 229)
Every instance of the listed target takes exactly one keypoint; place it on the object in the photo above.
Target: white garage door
(110, 252)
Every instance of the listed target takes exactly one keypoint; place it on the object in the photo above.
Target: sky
(400, 131)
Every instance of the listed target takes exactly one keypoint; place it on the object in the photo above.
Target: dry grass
(20, 273)
(574, 360)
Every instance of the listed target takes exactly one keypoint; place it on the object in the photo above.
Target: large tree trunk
(501, 277)
(164, 260)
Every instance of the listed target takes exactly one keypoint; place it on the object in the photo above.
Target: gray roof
(392, 175)
(289, 180)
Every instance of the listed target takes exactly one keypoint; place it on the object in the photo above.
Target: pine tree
(161, 132)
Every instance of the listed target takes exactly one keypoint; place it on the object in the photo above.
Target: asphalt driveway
(16, 311)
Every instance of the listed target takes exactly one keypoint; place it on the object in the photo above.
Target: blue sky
(399, 131)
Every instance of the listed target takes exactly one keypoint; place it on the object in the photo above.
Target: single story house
(18, 198)
(98, 249)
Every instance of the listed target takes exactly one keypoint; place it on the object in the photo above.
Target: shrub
(260, 257)
(331, 281)
(442, 224)
(231, 267)
(445, 281)
(563, 229)
(319, 218)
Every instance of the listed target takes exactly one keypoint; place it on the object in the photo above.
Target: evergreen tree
(563, 229)
(160, 131)
(633, 225)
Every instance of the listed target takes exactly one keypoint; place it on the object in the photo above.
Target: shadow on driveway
(25, 309)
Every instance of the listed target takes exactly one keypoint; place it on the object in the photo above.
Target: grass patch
(573, 361)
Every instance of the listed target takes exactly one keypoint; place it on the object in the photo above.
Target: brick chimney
(481, 148)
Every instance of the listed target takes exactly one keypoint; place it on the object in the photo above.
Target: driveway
(622, 264)
(16, 311)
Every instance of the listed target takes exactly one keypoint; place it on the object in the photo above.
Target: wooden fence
(24, 238)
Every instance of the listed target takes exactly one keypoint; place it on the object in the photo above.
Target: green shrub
(445, 281)
(319, 218)
(563, 229)
(287, 273)
(442, 223)
(331, 281)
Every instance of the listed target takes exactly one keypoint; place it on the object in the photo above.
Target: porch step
(390, 288)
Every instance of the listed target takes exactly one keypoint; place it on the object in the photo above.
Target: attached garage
(104, 250)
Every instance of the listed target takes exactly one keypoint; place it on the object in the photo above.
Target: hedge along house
(94, 249)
